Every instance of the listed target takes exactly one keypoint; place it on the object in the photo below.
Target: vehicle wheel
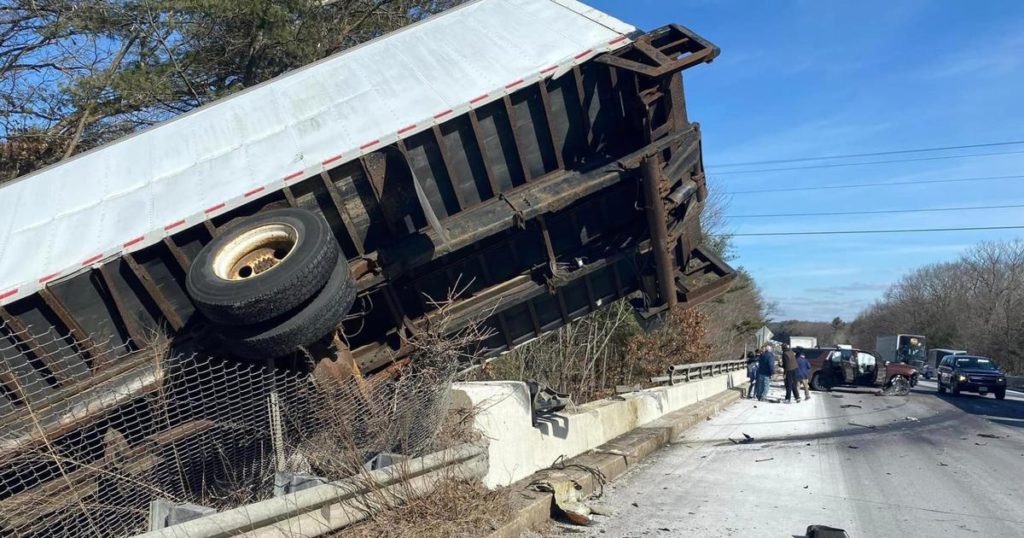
(913, 380)
(942, 388)
(816, 383)
(954, 389)
(1000, 394)
(310, 323)
(899, 385)
(262, 266)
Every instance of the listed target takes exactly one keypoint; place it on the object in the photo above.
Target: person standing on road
(789, 368)
(803, 371)
(751, 374)
(765, 369)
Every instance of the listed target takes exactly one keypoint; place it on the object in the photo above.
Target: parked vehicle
(832, 367)
(935, 356)
(969, 373)
(906, 348)
(803, 341)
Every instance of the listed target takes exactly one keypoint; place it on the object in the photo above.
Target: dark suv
(968, 373)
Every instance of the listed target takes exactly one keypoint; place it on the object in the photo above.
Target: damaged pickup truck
(536, 156)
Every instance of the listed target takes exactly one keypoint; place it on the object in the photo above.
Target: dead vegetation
(457, 508)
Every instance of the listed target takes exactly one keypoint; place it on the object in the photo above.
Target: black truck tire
(309, 323)
(262, 266)
(817, 384)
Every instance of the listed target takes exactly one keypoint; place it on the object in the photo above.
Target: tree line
(75, 75)
(975, 303)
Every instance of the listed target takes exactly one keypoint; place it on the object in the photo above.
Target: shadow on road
(1005, 412)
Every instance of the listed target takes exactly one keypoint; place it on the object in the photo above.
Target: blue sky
(811, 78)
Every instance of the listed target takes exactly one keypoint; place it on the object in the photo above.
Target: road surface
(896, 466)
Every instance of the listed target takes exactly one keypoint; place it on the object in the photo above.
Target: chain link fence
(88, 438)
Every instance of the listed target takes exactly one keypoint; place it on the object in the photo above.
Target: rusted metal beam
(510, 112)
(157, 296)
(474, 122)
(178, 254)
(549, 121)
(339, 206)
(442, 148)
(588, 134)
(534, 319)
(656, 223)
(210, 227)
(24, 338)
(83, 343)
(546, 235)
(135, 332)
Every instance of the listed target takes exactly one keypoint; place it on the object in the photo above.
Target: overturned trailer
(535, 155)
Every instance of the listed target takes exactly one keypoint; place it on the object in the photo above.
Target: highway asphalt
(877, 466)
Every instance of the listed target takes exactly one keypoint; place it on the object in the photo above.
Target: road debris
(911, 419)
(848, 406)
(980, 444)
(766, 459)
(852, 446)
(838, 396)
(941, 464)
(870, 427)
(746, 439)
(567, 500)
(990, 436)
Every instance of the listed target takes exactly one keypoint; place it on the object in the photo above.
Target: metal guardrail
(1015, 382)
(685, 372)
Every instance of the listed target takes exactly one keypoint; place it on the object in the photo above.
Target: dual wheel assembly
(273, 282)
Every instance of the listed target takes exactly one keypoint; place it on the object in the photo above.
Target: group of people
(761, 366)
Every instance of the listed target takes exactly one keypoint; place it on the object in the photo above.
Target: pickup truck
(535, 156)
(832, 367)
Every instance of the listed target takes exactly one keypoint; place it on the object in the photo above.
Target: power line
(838, 213)
(842, 165)
(871, 154)
(852, 232)
(880, 184)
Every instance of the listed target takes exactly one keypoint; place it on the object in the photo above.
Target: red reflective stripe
(514, 83)
(173, 225)
(95, 258)
(211, 209)
(138, 239)
(8, 293)
(478, 99)
(255, 191)
(550, 69)
(293, 176)
(49, 277)
(370, 143)
(407, 128)
(332, 159)
(442, 114)
(584, 53)
(617, 39)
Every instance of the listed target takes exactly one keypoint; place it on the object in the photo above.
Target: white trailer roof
(132, 193)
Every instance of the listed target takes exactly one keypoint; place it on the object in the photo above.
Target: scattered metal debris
(847, 406)
(989, 435)
(766, 459)
(868, 426)
(567, 500)
(912, 419)
(852, 446)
